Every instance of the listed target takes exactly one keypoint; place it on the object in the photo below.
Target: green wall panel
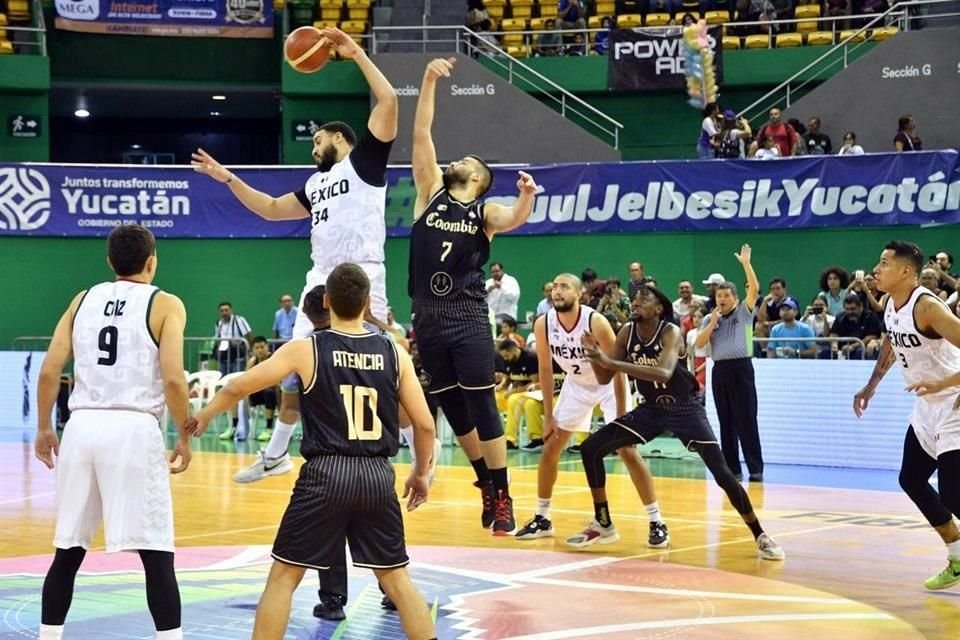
(25, 73)
(41, 274)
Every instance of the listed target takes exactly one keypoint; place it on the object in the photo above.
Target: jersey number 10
(355, 401)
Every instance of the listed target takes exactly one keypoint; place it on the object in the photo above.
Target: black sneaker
(330, 607)
(512, 446)
(504, 523)
(487, 495)
(534, 445)
(387, 603)
(659, 536)
(573, 448)
(756, 477)
(539, 527)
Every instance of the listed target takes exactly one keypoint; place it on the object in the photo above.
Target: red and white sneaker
(594, 532)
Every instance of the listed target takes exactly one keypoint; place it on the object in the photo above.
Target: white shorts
(937, 425)
(574, 409)
(113, 468)
(378, 295)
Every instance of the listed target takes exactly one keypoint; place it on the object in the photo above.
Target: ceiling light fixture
(219, 97)
(134, 146)
(82, 113)
(214, 113)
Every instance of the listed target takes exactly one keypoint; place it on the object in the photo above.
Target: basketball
(306, 50)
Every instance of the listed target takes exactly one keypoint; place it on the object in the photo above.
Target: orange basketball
(306, 50)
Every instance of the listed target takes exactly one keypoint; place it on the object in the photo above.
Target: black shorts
(455, 346)
(687, 421)
(265, 397)
(337, 496)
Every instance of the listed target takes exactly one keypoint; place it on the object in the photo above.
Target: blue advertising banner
(206, 18)
(175, 202)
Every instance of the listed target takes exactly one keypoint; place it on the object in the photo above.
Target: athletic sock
(601, 513)
(543, 507)
(953, 549)
(480, 468)
(408, 436)
(269, 423)
(279, 440)
(170, 634)
(500, 481)
(653, 512)
(755, 529)
(51, 632)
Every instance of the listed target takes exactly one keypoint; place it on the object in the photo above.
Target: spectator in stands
(837, 9)
(833, 285)
(788, 327)
(686, 322)
(850, 146)
(550, 42)
(638, 278)
(266, 398)
(761, 11)
(488, 42)
(869, 295)
(785, 10)
(601, 40)
(817, 318)
(711, 283)
(681, 306)
(871, 7)
(547, 303)
(734, 134)
(592, 288)
(855, 322)
(234, 339)
(816, 142)
(284, 318)
(873, 292)
(689, 19)
(906, 138)
(943, 262)
(768, 311)
(783, 134)
(521, 376)
(770, 150)
(614, 305)
(697, 356)
(630, 6)
(508, 330)
(477, 14)
(708, 130)
(930, 279)
(503, 291)
(571, 15)
(578, 47)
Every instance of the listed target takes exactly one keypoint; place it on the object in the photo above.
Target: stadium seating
(6, 47)
(790, 40)
(716, 17)
(807, 11)
(854, 35)
(324, 24)
(358, 10)
(521, 8)
(517, 51)
(806, 26)
(629, 20)
(513, 24)
(354, 27)
(18, 10)
(538, 24)
(549, 10)
(819, 38)
(884, 32)
(756, 41)
(658, 19)
(731, 42)
(330, 10)
(512, 39)
(605, 8)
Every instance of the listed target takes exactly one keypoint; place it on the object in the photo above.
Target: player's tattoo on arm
(885, 360)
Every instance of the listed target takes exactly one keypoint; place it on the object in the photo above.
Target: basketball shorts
(337, 496)
(455, 347)
(686, 420)
(937, 425)
(378, 295)
(574, 409)
(113, 468)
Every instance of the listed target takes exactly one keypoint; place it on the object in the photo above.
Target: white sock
(170, 634)
(279, 440)
(543, 507)
(653, 512)
(953, 549)
(51, 632)
(408, 436)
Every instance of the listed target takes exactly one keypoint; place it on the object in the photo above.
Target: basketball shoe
(488, 497)
(659, 536)
(594, 532)
(263, 467)
(769, 549)
(539, 527)
(504, 524)
(946, 578)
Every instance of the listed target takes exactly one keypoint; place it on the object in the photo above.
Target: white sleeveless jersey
(116, 359)
(566, 349)
(346, 217)
(920, 357)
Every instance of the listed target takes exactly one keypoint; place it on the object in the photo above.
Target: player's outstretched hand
(440, 67)
(592, 349)
(196, 425)
(46, 447)
(861, 400)
(926, 387)
(203, 162)
(416, 489)
(182, 451)
(526, 184)
(345, 46)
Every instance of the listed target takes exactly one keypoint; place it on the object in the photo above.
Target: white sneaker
(437, 448)
(769, 549)
(594, 532)
(263, 467)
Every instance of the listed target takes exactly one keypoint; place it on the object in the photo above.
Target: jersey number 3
(108, 345)
(356, 400)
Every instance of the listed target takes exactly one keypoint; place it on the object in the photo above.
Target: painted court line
(30, 497)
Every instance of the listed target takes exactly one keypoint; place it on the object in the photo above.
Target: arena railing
(903, 15)
(38, 28)
(820, 342)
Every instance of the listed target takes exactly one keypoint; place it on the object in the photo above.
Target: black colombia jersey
(680, 388)
(351, 408)
(448, 248)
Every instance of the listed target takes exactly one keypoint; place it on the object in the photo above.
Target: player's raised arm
(286, 207)
(426, 174)
(424, 431)
(753, 285)
(383, 118)
(500, 219)
(58, 355)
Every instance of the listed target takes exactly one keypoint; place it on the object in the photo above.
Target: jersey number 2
(353, 403)
(108, 345)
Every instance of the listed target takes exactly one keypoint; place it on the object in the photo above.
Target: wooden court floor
(856, 561)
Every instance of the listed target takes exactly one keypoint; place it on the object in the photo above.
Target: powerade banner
(207, 18)
(175, 202)
(652, 59)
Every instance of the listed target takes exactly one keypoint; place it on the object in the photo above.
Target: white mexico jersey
(346, 217)
(566, 349)
(116, 359)
(920, 357)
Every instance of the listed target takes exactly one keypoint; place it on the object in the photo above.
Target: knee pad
(482, 409)
(455, 409)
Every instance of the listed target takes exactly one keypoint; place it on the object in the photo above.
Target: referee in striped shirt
(729, 330)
